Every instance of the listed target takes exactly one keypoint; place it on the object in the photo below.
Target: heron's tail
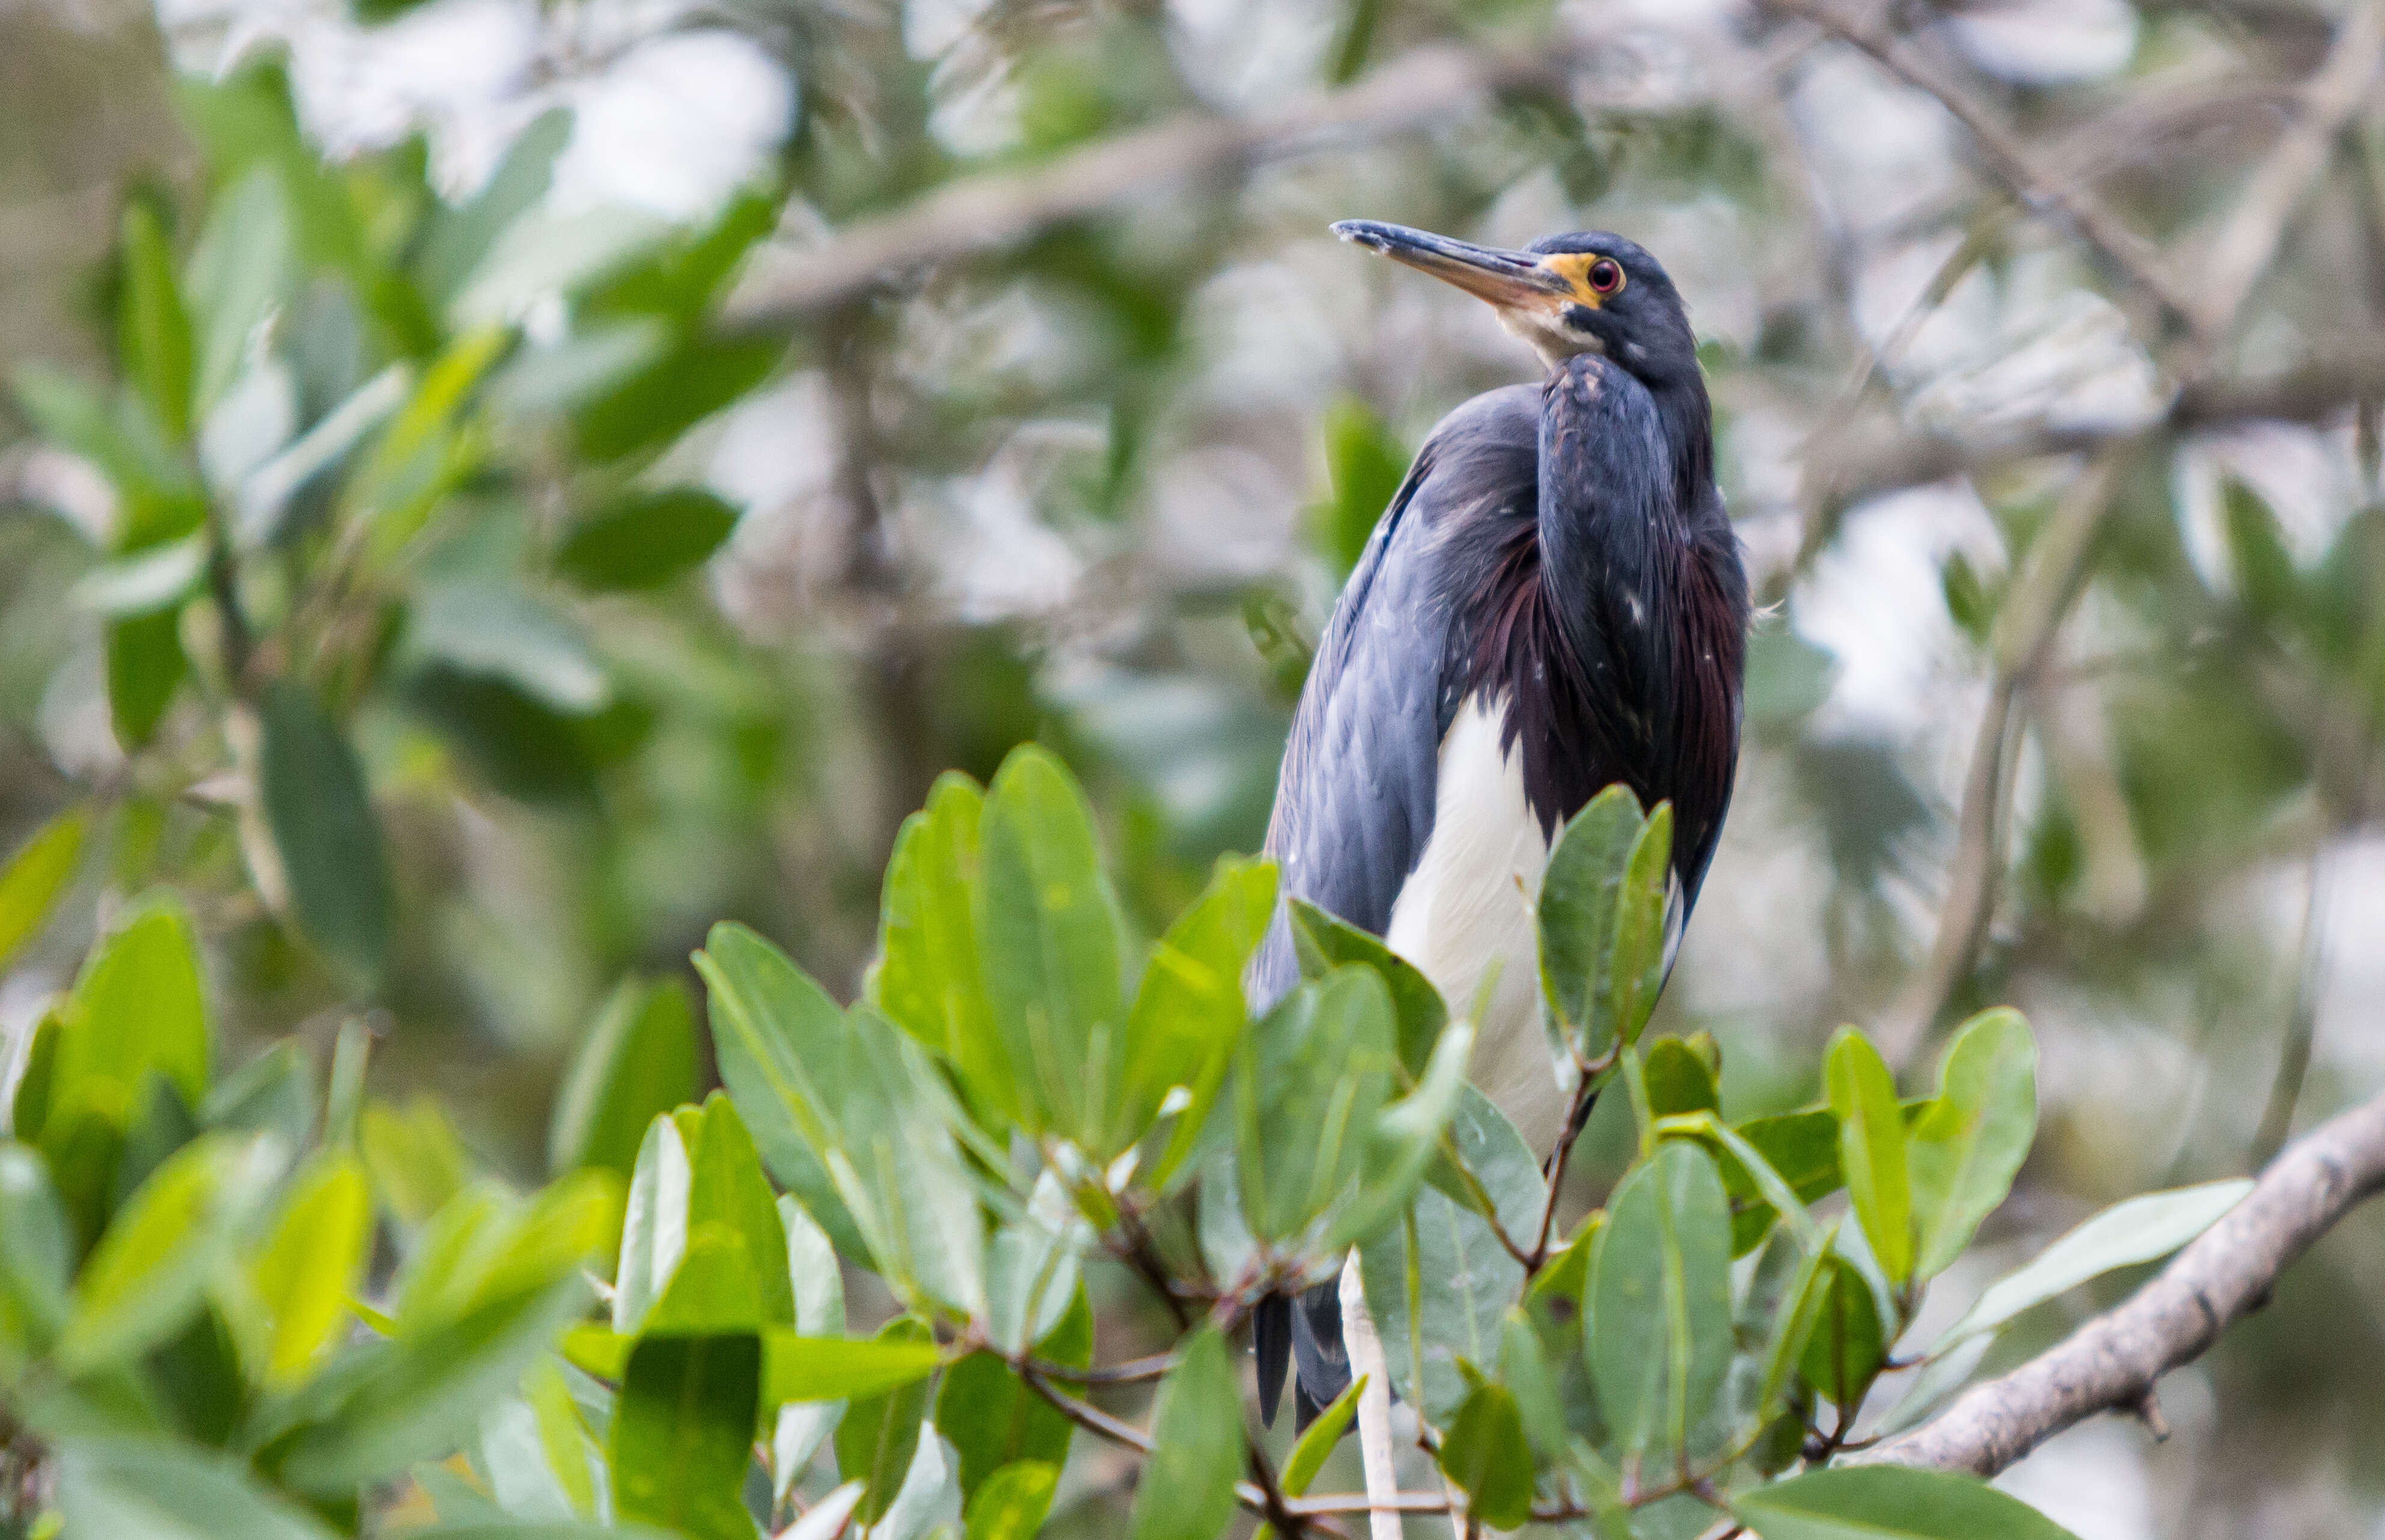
(1300, 1333)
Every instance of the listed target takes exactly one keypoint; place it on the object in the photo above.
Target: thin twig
(2116, 1358)
(1133, 1372)
(2012, 160)
(2301, 1020)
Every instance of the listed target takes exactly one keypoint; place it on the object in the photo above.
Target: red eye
(1606, 275)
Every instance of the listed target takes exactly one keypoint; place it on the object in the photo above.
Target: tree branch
(985, 213)
(2012, 160)
(2113, 1361)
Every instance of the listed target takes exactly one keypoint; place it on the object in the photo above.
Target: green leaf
(150, 1269)
(1408, 1134)
(153, 329)
(145, 665)
(994, 1419)
(1659, 1304)
(1308, 1456)
(637, 1061)
(1887, 1502)
(1580, 904)
(320, 812)
(1679, 1081)
(1284, 645)
(1969, 1144)
(415, 1159)
(1190, 1012)
(1439, 1287)
(1847, 1345)
(713, 1291)
(726, 1187)
(1802, 1147)
(2266, 578)
(1487, 1455)
(1871, 1149)
(2141, 1230)
(782, 1046)
(644, 539)
(311, 1265)
(1502, 1167)
(697, 378)
(144, 1489)
(683, 1434)
(36, 875)
(1049, 933)
(36, 1264)
(137, 1009)
(1187, 1490)
(1011, 1503)
(1365, 465)
(457, 238)
(1308, 1086)
(654, 1225)
(1636, 976)
(880, 1431)
(1324, 942)
(817, 1282)
(1524, 1367)
(239, 272)
(486, 631)
(927, 979)
(547, 251)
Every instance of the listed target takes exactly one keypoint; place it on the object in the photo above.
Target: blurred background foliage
(431, 539)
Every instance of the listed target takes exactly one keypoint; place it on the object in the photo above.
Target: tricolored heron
(1553, 603)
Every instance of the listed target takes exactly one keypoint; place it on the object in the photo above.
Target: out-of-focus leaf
(494, 632)
(1011, 1503)
(994, 1419)
(457, 238)
(880, 1431)
(683, 1434)
(145, 665)
(1871, 1149)
(2140, 1230)
(1679, 1081)
(638, 1061)
(153, 327)
(1187, 1490)
(564, 375)
(238, 274)
(1050, 932)
(1659, 1301)
(1406, 1136)
(726, 1187)
(563, 1439)
(2266, 578)
(545, 253)
(35, 1265)
(644, 539)
(1365, 465)
(1307, 1088)
(136, 1009)
(523, 747)
(154, 578)
(268, 493)
(1967, 1145)
(697, 379)
(147, 1272)
(320, 812)
(416, 1161)
(1487, 1455)
(1525, 1369)
(654, 1224)
(311, 1265)
(1325, 941)
(1889, 1502)
(36, 875)
(1788, 676)
(1189, 1011)
(1283, 643)
(144, 1489)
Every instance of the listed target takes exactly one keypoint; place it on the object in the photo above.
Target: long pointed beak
(1510, 280)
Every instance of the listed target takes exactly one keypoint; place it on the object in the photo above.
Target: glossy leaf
(1487, 1455)
(654, 1224)
(1187, 1489)
(1871, 1149)
(644, 539)
(321, 811)
(1659, 1301)
(1967, 1146)
(1889, 1502)
(683, 1434)
(880, 1431)
(36, 875)
(637, 1061)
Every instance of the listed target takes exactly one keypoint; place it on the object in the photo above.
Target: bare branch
(2012, 160)
(986, 213)
(2113, 1361)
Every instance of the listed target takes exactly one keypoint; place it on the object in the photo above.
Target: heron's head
(1591, 292)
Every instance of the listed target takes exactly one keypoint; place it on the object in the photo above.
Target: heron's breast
(1468, 908)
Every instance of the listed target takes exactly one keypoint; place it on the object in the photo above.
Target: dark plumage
(1559, 559)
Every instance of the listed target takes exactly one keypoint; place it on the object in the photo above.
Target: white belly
(1469, 904)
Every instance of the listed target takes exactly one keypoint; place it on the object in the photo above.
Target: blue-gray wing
(1353, 806)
